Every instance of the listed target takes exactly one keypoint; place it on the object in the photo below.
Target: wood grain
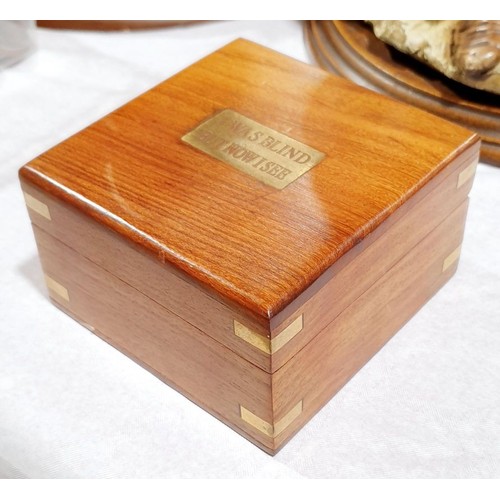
(202, 369)
(246, 244)
(146, 274)
(350, 49)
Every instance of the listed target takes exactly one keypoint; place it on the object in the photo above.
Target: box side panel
(199, 367)
(355, 274)
(321, 368)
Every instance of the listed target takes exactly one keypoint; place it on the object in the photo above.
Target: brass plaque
(268, 155)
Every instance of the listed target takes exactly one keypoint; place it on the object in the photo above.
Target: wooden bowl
(350, 49)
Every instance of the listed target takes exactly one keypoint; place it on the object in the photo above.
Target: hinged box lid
(250, 173)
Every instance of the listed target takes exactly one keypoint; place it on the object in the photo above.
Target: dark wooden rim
(350, 49)
(111, 25)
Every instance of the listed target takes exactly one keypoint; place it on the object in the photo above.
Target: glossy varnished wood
(146, 274)
(246, 244)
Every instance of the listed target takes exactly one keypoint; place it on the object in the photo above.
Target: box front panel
(202, 369)
(160, 282)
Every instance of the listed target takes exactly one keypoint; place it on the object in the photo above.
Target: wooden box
(252, 231)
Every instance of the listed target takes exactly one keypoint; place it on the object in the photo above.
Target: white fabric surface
(428, 405)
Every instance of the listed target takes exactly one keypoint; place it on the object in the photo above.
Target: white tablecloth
(428, 405)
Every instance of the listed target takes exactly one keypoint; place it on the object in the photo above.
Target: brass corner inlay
(269, 346)
(259, 341)
(266, 154)
(269, 429)
(56, 287)
(36, 205)
(466, 174)
(451, 258)
(287, 334)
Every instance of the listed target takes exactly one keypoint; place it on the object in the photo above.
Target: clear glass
(16, 41)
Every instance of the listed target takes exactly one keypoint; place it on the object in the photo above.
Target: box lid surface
(249, 240)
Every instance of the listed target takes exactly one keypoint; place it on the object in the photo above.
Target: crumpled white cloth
(428, 405)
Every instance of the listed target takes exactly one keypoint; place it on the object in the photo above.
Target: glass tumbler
(16, 41)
